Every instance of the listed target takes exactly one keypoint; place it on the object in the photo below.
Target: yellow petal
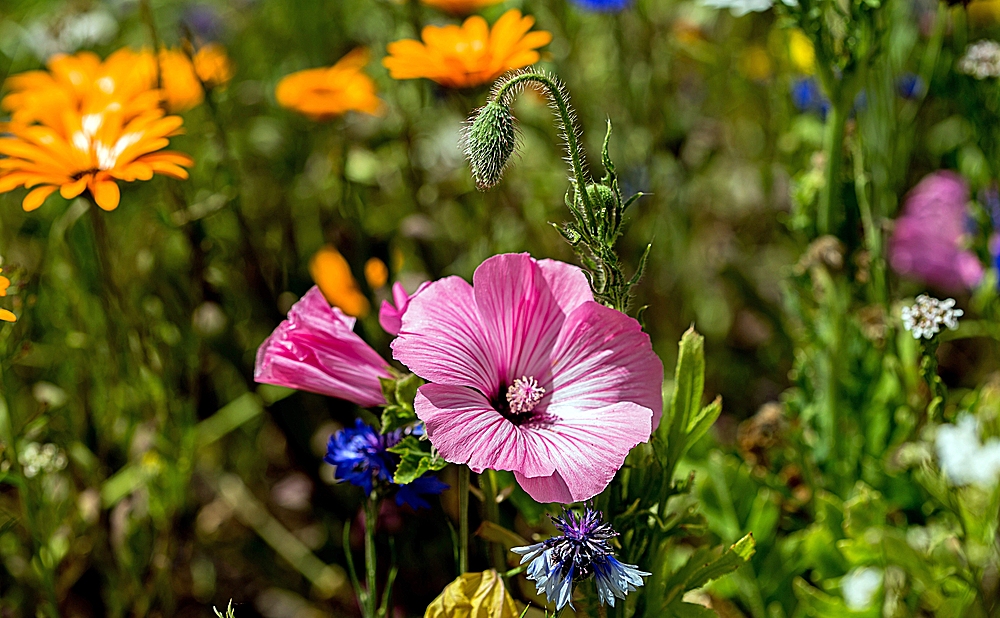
(474, 595)
(7, 316)
(36, 197)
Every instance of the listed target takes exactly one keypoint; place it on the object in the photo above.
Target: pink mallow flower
(527, 373)
(926, 243)
(317, 350)
(390, 315)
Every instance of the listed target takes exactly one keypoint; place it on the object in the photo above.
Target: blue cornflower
(361, 457)
(580, 552)
(602, 5)
(807, 96)
(910, 86)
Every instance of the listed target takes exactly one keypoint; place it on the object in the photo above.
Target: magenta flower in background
(316, 349)
(390, 315)
(528, 374)
(927, 241)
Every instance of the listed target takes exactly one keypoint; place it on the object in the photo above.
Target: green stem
(557, 94)
(371, 520)
(463, 519)
(830, 197)
(488, 483)
(872, 231)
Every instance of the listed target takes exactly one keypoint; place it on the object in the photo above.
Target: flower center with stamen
(524, 395)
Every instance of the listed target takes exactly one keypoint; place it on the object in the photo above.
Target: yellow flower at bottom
(460, 6)
(474, 595)
(5, 316)
(322, 94)
(332, 274)
(468, 55)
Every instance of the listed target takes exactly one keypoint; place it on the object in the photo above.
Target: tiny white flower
(928, 315)
(964, 459)
(739, 7)
(981, 59)
(859, 587)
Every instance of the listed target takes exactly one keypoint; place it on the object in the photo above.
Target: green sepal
(414, 460)
(399, 395)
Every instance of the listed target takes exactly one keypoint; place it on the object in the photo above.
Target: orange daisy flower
(324, 93)
(90, 153)
(5, 315)
(182, 77)
(212, 65)
(462, 7)
(332, 274)
(470, 54)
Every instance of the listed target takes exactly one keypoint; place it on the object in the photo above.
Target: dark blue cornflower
(602, 5)
(807, 96)
(580, 552)
(361, 457)
(910, 86)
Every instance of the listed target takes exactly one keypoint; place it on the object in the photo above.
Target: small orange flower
(462, 7)
(212, 65)
(332, 274)
(324, 93)
(376, 273)
(5, 315)
(94, 151)
(468, 55)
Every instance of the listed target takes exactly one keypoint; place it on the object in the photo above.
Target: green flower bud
(489, 140)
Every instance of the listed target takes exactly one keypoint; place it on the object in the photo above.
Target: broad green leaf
(399, 395)
(414, 460)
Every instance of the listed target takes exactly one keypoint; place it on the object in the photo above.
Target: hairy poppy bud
(489, 141)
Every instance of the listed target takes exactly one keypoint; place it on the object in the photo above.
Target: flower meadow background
(815, 250)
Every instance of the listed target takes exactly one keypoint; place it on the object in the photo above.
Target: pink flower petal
(520, 314)
(316, 350)
(567, 283)
(587, 447)
(443, 339)
(465, 429)
(390, 316)
(602, 357)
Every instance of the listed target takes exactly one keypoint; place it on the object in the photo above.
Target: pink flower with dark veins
(316, 349)
(527, 373)
(926, 243)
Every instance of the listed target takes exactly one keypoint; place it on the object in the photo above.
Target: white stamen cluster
(926, 318)
(981, 59)
(37, 458)
(524, 395)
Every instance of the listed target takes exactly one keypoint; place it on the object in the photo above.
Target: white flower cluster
(964, 459)
(981, 59)
(859, 587)
(37, 458)
(926, 318)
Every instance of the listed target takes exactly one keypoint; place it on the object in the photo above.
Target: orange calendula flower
(324, 93)
(5, 316)
(462, 7)
(82, 126)
(212, 65)
(184, 79)
(332, 274)
(468, 55)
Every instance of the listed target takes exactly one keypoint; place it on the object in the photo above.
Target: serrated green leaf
(414, 460)
(394, 417)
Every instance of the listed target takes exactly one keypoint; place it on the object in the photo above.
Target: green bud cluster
(598, 208)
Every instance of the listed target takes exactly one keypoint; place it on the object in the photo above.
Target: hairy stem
(371, 519)
(560, 100)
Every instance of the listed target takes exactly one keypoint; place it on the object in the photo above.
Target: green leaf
(701, 422)
(399, 395)
(685, 412)
(701, 568)
(414, 460)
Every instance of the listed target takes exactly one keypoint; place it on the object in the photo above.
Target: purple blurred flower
(927, 241)
(910, 86)
(602, 5)
(807, 96)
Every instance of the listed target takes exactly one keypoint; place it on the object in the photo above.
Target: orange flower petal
(36, 197)
(73, 189)
(7, 316)
(105, 192)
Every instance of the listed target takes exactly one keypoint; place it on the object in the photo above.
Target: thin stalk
(872, 231)
(463, 519)
(487, 482)
(147, 16)
(830, 197)
(371, 519)
(561, 101)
